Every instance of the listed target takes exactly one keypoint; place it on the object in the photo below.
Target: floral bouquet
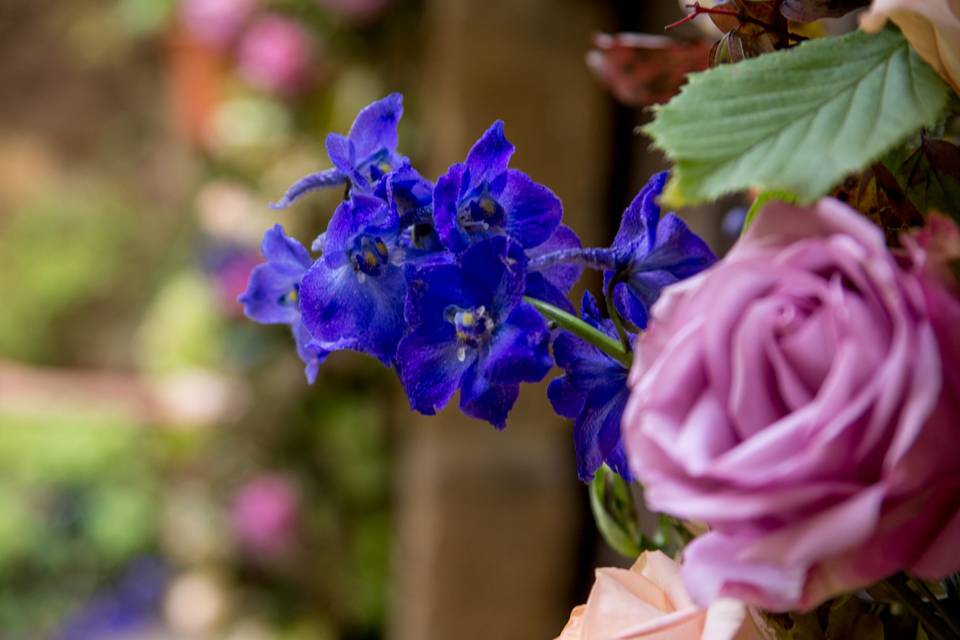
(791, 411)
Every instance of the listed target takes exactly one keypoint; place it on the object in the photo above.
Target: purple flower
(275, 55)
(353, 296)
(472, 331)
(593, 392)
(123, 609)
(273, 293)
(361, 157)
(482, 198)
(650, 253)
(410, 198)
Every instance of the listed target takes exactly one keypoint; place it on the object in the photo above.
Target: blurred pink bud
(275, 55)
(231, 278)
(355, 9)
(935, 248)
(216, 22)
(265, 514)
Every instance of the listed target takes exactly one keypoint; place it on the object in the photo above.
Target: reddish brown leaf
(746, 41)
(641, 69)
(931, 176)
(876, 193)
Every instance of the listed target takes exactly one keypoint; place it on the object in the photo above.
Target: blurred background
(165, 470)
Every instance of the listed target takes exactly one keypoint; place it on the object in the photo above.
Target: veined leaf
(795, 120)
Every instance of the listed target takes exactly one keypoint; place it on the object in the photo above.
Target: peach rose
(931, 26)
(649, 601)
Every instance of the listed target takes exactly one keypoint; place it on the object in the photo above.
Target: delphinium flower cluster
(462, 284)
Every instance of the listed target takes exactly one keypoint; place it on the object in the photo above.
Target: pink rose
(936, 248)
(649, 601)
(216, 22)
(275, 55)
(801, 398)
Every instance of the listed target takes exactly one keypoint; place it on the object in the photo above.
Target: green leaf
(795, 120)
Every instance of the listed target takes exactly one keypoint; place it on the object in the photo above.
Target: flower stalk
(936, 627)
(615, 349)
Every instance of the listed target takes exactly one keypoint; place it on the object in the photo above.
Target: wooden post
(489, 523)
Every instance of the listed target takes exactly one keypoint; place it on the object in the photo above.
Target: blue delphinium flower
(593, 393)
(273, 293)
(650, 252)
(353, 296)
(472, 331)
(481, 198)
(362, 156)
(410, 197)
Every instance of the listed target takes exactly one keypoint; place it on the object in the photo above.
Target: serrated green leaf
(795, 120)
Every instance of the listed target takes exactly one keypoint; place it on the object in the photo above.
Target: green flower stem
(938, 606)
(582, 330)
(936, 627)
(763, 198)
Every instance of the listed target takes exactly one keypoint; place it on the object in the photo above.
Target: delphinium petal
(410, 197)
(472, 331)
(551, 283)
(652, 252)
(362, 157)
(482, 198)
(309, 351)
(593, 393)
(354, 294)
(273, 293)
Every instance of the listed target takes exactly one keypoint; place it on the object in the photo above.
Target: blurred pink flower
(799, 398)
(265, 514)
(216, 23)
(935, 248)
(276, 54)
(355, 9)
(649, 601)
(231, 278)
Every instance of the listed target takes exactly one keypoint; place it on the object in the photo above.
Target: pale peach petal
(931, 26)
(574, 628)
(649, 601)
(665, 573)
(729, 619)
(679, 625)
(619, 599)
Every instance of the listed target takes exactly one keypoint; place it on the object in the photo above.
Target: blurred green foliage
(56, 253)
(182, 327)
(78, 500)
